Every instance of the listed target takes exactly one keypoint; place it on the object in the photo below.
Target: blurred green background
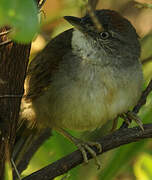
(129, 162)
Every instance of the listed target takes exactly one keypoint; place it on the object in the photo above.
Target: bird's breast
(86, 99)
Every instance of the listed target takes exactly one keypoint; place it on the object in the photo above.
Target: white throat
(81, 44)
(87, 47)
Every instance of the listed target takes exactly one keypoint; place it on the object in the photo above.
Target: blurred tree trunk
(13, 64)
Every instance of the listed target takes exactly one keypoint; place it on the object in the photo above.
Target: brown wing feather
(45, 63)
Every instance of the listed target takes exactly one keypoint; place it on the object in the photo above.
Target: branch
(29, 146)
(146, 60)
(41, 3)
(140, 103)
(143, 97)
(109, 142)
(93, 4)
(90, 9)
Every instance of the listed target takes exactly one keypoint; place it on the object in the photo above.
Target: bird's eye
(104, 35)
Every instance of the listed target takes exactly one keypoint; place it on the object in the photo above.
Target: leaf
(142, 167)
(8, 171)
(143, 5)
(146, 42)
(22, 16)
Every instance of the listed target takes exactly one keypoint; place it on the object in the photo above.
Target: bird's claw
(86, 146)
(135, 118)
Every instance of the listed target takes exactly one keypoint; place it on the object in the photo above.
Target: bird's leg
(127, 121)
(83, 146)
(114, 125)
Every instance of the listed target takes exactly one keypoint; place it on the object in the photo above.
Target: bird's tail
(29, 138)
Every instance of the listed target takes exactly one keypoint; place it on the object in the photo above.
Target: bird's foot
(87, 146)
(84, 147)
(129, 116)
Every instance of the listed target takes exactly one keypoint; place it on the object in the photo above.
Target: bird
(84, 77)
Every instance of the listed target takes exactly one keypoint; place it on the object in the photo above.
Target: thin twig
(5, 32)
(143, 98)
(140, 103)
(5, 42)
(35, 141)
(109, 142)
(146, 60)
(93, 3)
(41, 4)
(11, 96)
(90, 10)
(15, 169)
(143, 5)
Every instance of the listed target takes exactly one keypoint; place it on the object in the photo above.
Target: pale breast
(87, 102)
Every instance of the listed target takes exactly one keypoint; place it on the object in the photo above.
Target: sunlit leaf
(143, 168)
(8, 171)
(21, 16)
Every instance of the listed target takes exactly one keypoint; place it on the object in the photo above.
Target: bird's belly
(88, 112)
(81, 107)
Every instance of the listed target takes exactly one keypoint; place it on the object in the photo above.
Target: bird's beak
(75, 21)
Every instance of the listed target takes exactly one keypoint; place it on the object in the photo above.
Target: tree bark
(13, 64)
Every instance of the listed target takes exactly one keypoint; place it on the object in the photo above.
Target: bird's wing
(45, 64)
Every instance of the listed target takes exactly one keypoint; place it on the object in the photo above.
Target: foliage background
(129, 162)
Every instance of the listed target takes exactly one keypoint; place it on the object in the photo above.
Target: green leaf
(146, 42)
(22, 16)
(8, 171)
(142, 167)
